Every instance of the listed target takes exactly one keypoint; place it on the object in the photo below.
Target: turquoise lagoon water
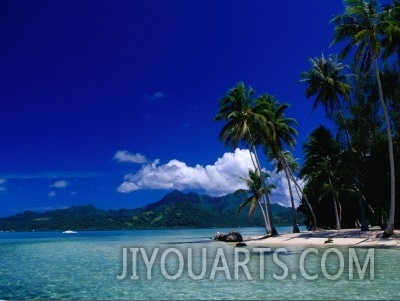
(52, 265)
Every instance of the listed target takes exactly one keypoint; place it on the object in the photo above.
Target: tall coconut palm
(321, 158)
(293, 167)
(281, 163)
(256, 189)
(242, 123)
(363, 27)
(279, 134)
(280, 131)
(391, 42)
(236, 109)
(328, 84)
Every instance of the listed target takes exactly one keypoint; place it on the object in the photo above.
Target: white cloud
(125, 156)
(59, 184)
(155, 96)
(222, 177)
(281, 193)
(52, 194)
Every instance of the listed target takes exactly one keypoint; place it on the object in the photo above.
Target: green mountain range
(175, 210)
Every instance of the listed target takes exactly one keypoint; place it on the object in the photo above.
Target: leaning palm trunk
(266, 197)
(267, 202)
(390, 223)
(265, 216)
(285, 167)
(272, 230)
(362, 203)
(364, 224)
(335, 206)
(346, 130)
(267, 230)
(302, 195)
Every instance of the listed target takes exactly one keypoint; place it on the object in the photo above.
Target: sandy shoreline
(347, 237)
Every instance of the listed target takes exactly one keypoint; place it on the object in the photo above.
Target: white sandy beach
(346, 237)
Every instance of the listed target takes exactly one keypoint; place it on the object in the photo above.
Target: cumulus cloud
(59, 184)
(125, 156)
(281, 194)
(155, 96)
(220, 178)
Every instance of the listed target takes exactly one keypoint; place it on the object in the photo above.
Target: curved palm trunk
(301, 194)
(285, 168)
(363, 204)
(364, 223)
(266, 197)
(266, 201)
(390, 223)
(265, 216)
(346, 130)
(335, 206)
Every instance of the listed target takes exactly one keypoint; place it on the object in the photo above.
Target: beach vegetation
(260, 122)
(256, 190)
(243, 124)
(348, 170)
(365, 28)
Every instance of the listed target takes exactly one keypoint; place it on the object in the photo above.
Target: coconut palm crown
(327, 83)
(256, 189)
(363, 27)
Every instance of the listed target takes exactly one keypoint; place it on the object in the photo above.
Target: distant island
(175, 210)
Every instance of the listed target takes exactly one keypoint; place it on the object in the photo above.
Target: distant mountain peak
(175, 209)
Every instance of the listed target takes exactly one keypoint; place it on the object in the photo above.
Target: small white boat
(69, 232)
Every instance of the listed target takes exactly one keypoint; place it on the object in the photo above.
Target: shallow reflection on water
(85, 266)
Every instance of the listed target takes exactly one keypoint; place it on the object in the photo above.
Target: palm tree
(328, 84)
(321, 158)
(281, 163)
(391, 89)
(293, 167)
(236, 108)
(256, 190)
(280, 133)
(391, 42)
(363, 27)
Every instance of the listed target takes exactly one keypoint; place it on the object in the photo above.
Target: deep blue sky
(82, 80)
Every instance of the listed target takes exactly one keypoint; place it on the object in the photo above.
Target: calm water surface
(52, 265)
